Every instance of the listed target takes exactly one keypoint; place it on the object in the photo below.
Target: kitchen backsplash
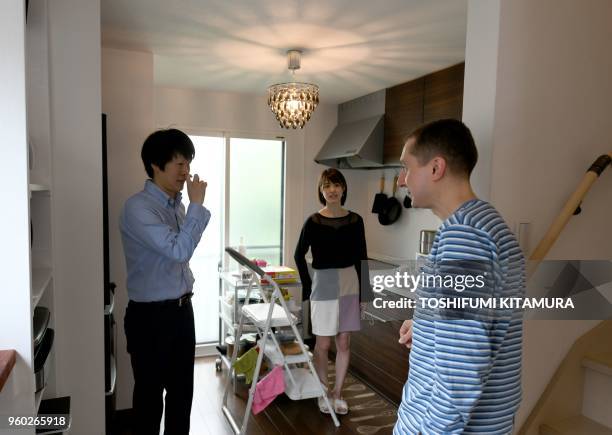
(396, 242)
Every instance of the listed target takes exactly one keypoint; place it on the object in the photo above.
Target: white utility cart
(300, 383)
(232, 293)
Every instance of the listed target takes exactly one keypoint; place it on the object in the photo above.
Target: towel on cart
(246, 364)
(268, 388)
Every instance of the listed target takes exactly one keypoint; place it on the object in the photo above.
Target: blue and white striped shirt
(158, 241)
(465, 367)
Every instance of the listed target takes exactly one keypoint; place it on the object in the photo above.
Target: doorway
(245, 195)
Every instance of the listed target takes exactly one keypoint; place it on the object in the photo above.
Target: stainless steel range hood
(357, 144)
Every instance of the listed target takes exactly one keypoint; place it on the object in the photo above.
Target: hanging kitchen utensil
(392, 208)
(380, 198)
(407, 201)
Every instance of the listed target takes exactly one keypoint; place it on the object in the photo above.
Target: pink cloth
(268, 388)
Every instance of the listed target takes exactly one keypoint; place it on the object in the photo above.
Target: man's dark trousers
(161, 343)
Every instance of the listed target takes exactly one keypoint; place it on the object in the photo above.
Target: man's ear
(438, 168)
(156, 168)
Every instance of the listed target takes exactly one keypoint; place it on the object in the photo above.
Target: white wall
(553, 109)
(15, 321)
(37, 72)
(127, 99)
(479, 89)
(74, 46)
(553, 102)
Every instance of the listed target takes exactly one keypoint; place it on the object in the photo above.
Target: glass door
(256, 197)
(245, 196)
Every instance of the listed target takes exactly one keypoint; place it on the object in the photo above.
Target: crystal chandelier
(294, 102)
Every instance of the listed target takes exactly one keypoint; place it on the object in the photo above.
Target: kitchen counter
(391, 294)
(376, 356)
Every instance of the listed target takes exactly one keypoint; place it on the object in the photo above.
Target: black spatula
(381, 198)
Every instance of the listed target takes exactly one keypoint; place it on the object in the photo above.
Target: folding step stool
(300, 383)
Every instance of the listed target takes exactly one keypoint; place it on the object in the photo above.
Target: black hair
(162, 146)
(449, 138)
(332, 175)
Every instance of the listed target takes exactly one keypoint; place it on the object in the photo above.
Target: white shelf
(41, 276)
(227, 321)
(38, 188)
(231, 326)
(258, 314)
(306, 385)
(226, 308)
(232, 279)
(278, 358)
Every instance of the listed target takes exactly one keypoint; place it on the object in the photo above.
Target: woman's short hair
(332, 175)
(162, 146)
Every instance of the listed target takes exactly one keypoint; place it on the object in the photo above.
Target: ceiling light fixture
(294, 102)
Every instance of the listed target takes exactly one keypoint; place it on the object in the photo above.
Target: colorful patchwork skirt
(334, 301)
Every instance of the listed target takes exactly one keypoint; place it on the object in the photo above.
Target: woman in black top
(336, 238)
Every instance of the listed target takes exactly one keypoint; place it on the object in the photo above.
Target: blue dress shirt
(158, 241)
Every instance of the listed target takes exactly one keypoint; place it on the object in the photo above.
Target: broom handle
(570, 206)
(382, 184)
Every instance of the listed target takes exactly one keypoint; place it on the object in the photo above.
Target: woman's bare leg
(321, 352)
(343, 353)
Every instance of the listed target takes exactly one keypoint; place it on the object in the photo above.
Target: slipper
(340, 407)
(322, 405)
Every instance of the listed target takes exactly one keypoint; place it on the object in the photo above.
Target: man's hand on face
(405, 333)
(196, 189)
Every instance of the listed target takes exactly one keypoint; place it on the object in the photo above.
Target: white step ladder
(300, 383)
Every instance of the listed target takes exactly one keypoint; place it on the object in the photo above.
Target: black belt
(179, 302)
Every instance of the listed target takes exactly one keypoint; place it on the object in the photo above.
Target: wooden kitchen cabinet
(376, 356)
(403, 113)
(443, 94)
(409, 105)
(378, 359)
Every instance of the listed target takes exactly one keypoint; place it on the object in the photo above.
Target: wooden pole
(567, 211)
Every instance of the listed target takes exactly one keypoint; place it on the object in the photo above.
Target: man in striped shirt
(465, 362)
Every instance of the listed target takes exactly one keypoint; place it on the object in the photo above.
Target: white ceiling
(350, 47)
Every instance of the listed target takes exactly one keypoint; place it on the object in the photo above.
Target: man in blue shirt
(465, 363)
(159, 238)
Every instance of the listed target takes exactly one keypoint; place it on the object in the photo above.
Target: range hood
(357, 144)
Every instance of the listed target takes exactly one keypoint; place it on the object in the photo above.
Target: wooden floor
(370, 414)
